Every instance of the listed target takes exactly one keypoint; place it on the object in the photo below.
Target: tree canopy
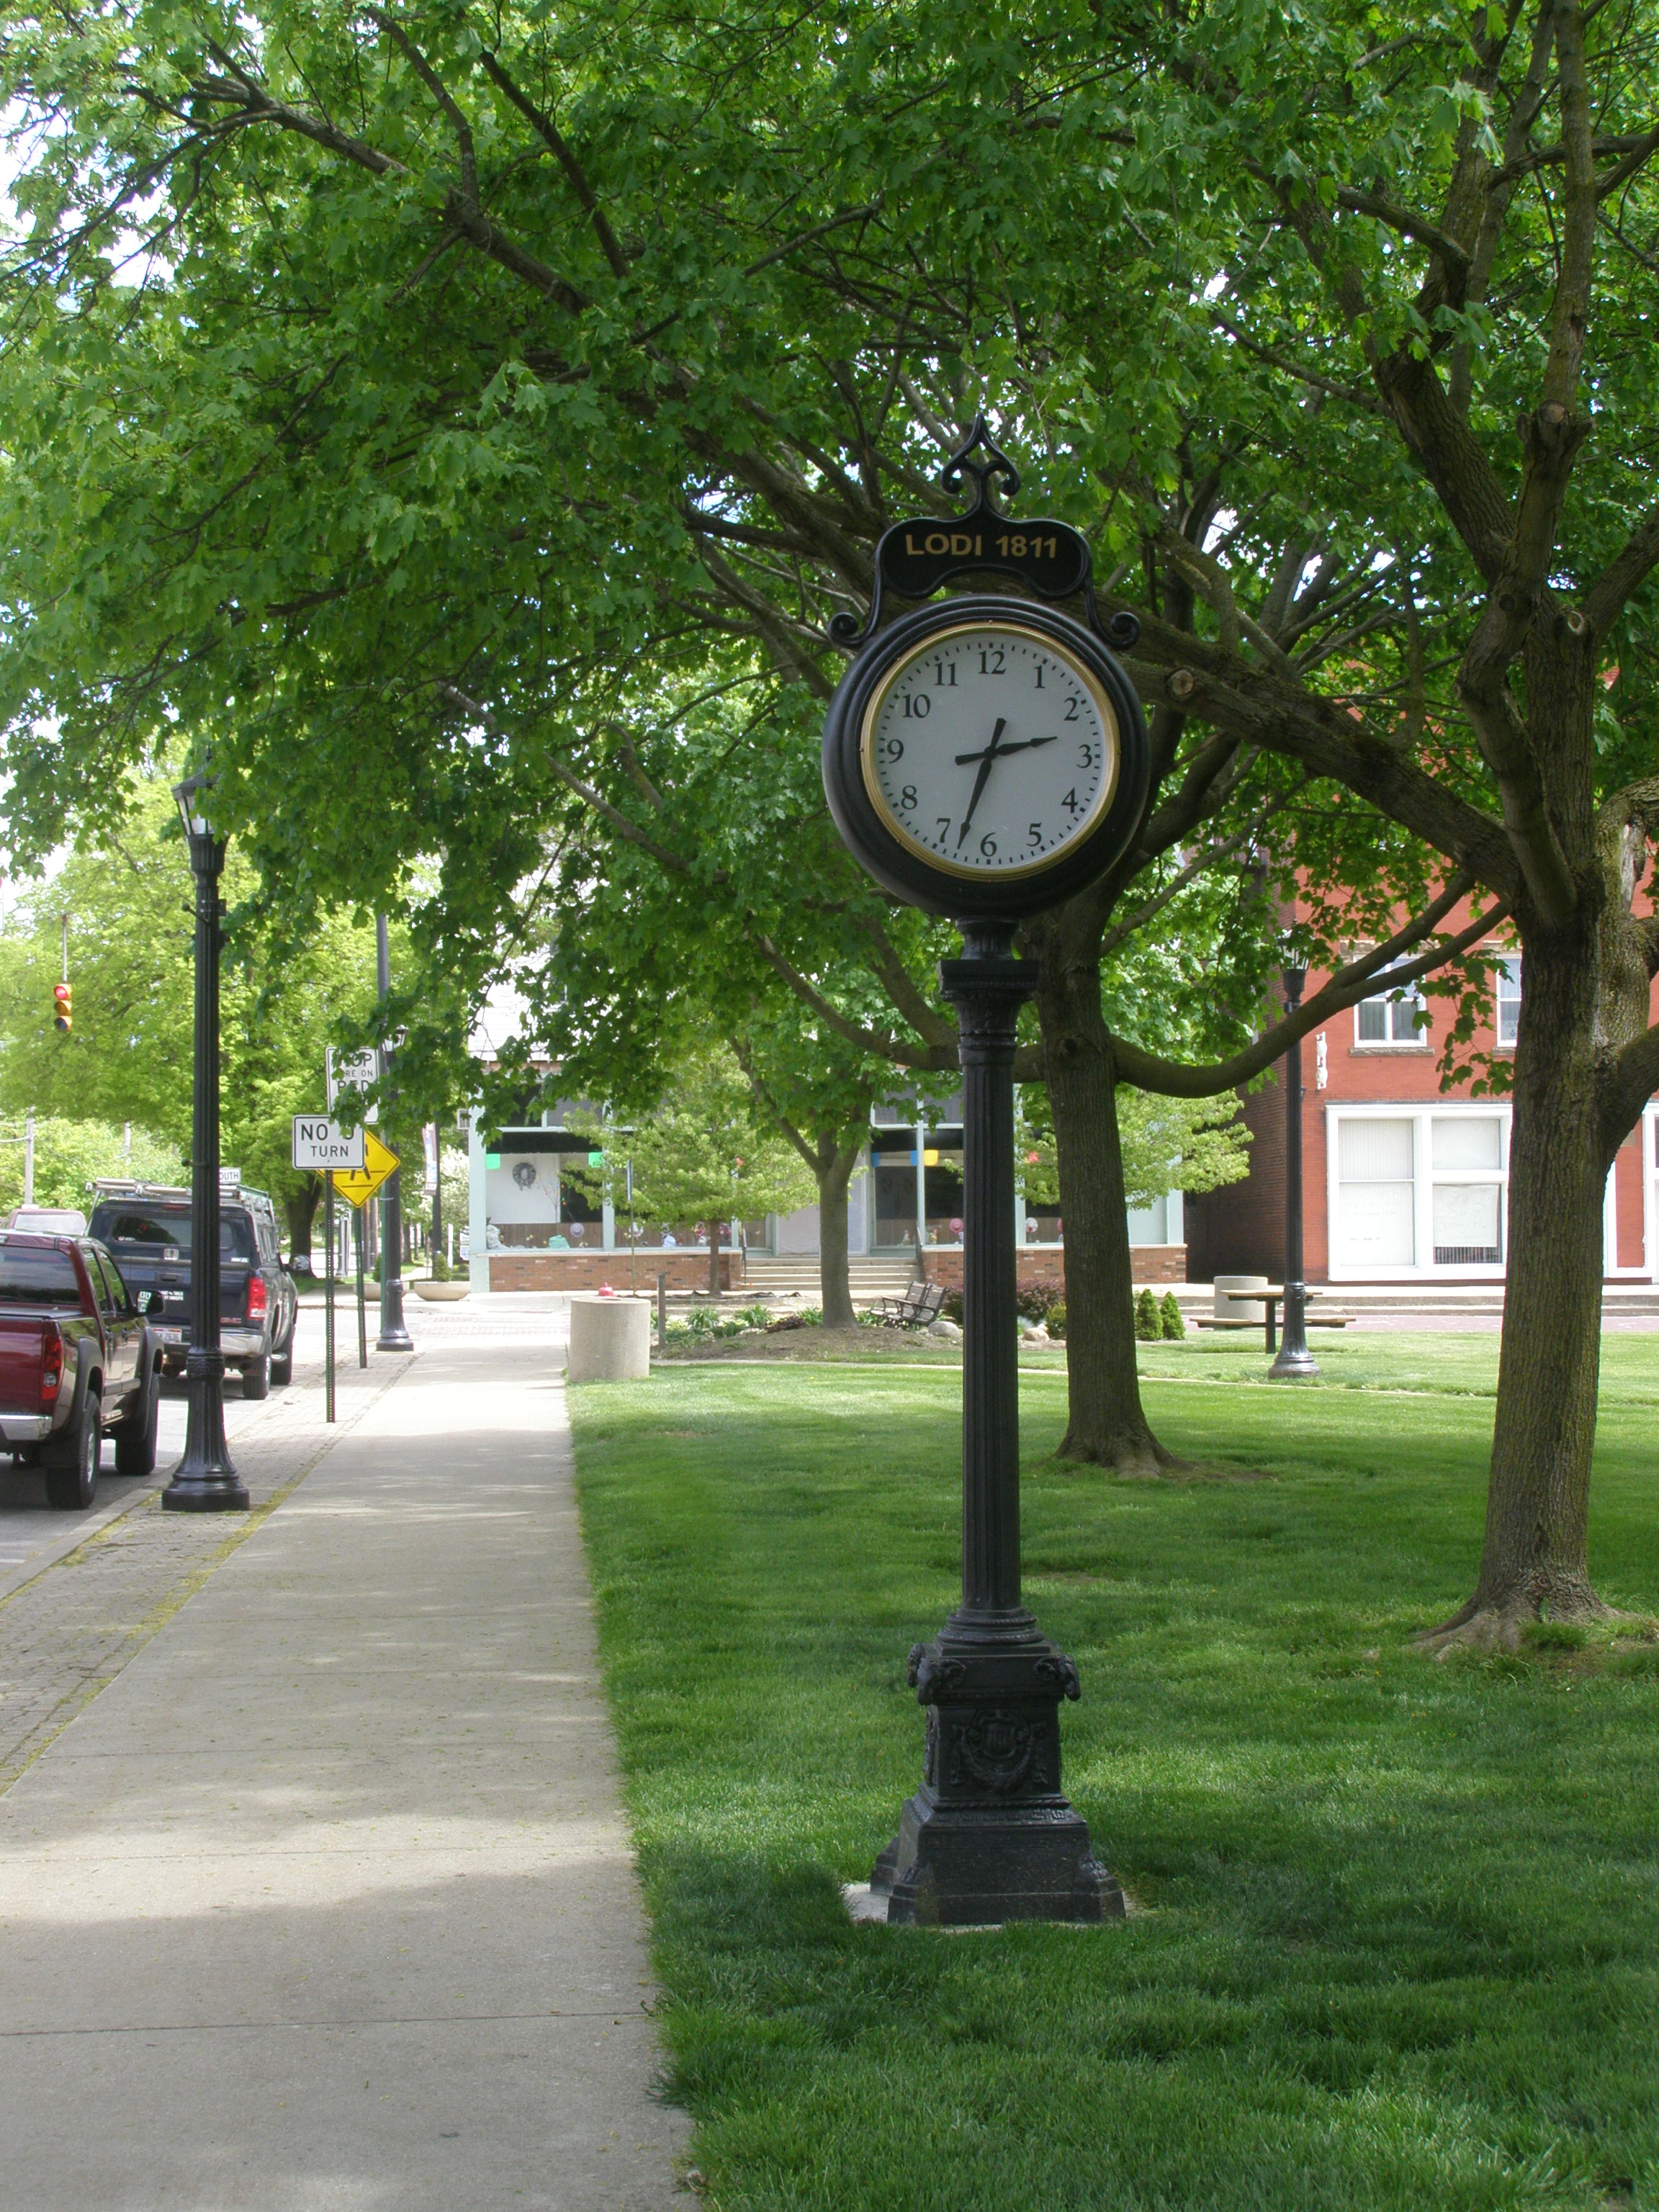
(390, 393)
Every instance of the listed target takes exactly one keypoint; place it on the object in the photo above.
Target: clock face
(990, 751)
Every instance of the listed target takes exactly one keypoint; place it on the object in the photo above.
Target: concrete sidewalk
(327, 1900)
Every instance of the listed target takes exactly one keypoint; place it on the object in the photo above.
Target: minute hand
(985, 760)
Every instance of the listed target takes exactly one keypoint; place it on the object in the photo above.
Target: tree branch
(1170, 1079)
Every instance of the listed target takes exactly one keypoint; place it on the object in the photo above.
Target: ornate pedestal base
(988, 1836)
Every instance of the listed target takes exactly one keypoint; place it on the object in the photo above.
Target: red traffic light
(63, 996)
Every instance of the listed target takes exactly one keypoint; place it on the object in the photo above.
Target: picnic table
(1270, 1298)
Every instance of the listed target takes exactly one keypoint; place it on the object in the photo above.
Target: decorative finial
(996, 463)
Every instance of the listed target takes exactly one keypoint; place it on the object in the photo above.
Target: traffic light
(62, 1001)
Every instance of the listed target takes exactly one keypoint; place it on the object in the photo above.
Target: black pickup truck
(146, 1226)
(79, 1361)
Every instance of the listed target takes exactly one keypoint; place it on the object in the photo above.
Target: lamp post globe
(205, 1481)
(1294, 1360)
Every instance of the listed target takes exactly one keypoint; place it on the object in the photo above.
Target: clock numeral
(991, 660)
(895, 749)
(917, 705)
(908, 797)
(943, 824)
(1039, 674)
(1073, 709)
(1085, 755)
(1071, 803)
(944, 673)
(1035, 833)
(988, 846)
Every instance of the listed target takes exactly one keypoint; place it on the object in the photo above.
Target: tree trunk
(1534, 1561)
(835, 1165)
(714, 1259)
(301, 1211)
(1105, 1423)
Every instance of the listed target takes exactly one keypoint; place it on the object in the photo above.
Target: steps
(796, 1275)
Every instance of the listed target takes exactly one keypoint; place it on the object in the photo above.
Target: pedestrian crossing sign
(379, 1164)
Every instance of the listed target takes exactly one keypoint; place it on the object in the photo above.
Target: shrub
(951, 1309)
(1149, 1325)
(753, 1317)
(1169, 1314)
(1056, 1319)
(1033, 1300)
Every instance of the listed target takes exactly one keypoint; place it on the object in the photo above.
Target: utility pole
(394, 1336)
(28, 1157)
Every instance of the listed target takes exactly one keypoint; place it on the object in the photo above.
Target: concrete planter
(609, 1340)
(439, 1294)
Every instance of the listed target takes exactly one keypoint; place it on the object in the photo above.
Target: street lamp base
(974, 1866)
(988, 1837)
(201, 1490)
(394, 1336)
(1291, 1365)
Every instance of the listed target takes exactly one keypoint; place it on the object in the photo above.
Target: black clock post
(989, 1836)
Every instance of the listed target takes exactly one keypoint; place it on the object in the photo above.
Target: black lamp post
(1294, 1357)
(204, 1481)
(990, 1836)
(394, 1336)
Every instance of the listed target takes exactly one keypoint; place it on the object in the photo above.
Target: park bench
(919, 1306)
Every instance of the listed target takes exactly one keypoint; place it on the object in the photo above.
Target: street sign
(358, 1070)
(379, 1164)
(230, 1178)
(320, 1144)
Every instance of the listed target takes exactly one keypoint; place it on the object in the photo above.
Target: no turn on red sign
(320, 1144)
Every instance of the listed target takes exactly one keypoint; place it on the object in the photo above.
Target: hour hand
(1024, 745)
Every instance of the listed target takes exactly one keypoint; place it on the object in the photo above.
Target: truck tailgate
(19, 1363)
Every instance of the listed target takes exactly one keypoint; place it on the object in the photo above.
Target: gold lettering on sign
(936, 541)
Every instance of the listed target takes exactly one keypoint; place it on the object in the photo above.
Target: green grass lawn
(1398, 1942)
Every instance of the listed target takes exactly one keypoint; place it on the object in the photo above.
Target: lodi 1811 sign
(986, 758)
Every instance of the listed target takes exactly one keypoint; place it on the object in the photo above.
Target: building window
(1415, 1190)
(1376, 1213)
(1397, 1017)
(1467, 1198)
(1509, 1002)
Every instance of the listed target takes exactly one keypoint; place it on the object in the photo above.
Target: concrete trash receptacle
(1233, 1301)
(609, 1340)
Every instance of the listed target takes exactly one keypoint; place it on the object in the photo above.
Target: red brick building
(1403, 1181)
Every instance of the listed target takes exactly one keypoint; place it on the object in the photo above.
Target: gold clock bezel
(1019, 870)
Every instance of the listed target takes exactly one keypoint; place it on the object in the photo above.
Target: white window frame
(1418, 1041)
(1509, 969)
(1649, 1193)
(1421, 1113)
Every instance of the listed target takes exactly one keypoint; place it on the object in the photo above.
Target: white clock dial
(990, 751)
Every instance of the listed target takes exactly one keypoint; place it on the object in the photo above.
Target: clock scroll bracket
(1050, 559)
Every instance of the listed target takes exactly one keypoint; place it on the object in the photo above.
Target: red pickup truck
(79, 1361)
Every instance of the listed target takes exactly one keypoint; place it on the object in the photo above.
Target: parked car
(49, 1220)
(79, 1361)
(146, 1226)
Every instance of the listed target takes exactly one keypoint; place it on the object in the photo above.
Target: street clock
(987, 756)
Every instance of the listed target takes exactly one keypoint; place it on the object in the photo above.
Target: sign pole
(328, 1325)
(363, 1324)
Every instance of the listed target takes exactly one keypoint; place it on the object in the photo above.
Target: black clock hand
(1025, 745)
(985, 760)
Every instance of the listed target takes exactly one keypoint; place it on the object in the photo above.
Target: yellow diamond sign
(379, 1161)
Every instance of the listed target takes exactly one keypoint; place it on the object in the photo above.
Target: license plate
(171, 1335)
